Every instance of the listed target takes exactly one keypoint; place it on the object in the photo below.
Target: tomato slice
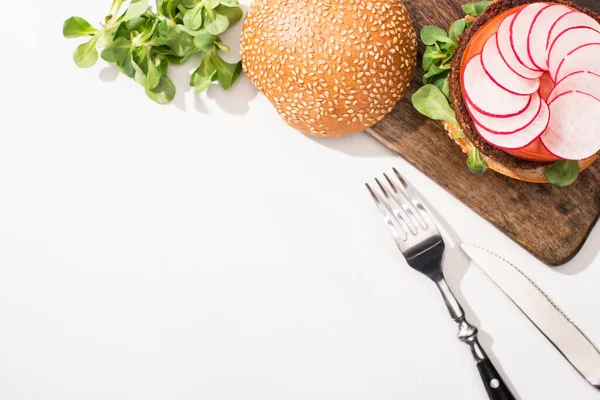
(535, 151)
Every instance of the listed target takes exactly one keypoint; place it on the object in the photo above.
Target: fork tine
(419, 207)
(398, 235)
(407, 205)
(400, 209)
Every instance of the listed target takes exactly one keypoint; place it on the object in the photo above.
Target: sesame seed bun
(466, 135)
(329, 68)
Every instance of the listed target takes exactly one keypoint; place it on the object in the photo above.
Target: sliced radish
(501, 74)
(570, 20)
(568, 41)
(505, 126)
(521, 138)
(519, 30)
(539, 32)
(486, 96)
(583, 81)
(507, 53)
(584, 58)
(573, 132)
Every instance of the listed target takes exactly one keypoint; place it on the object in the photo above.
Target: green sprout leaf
(152, 77)
(457, 29)
(475, 162)
(432, 34)
(140, 74)
(117, 50)
(204, 41)
(122, 31)
(193, 18)
(115, 7)
(233, 13)
(441, 82)
(138, 24)
(431, 102)
(222, 46)
(562, 173)
(227, 73)
(211, 4)
(432, 56)
(86, 54)
(435, 71)
(475, 9)
(229, 3)
(163, 32)
(163, 66)
(215, 23)
(163, 93)
(126, 67)
(172, 9)
(77, 27)
(136, 9)
(204, 75)
(189, 3)
(180, 42)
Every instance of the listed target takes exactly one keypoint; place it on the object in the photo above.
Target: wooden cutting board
(549, 222)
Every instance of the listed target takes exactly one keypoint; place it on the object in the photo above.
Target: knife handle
(494, 385)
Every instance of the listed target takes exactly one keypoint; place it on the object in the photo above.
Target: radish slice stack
(508, 54)
(519, 30)
(573, 130)
(582, 58)
(501, 74)
(502, 83)
(570, 20)
(568, 41)
(486, 96)
(508, 125)
(520, 138)
(583, 81)
(537, 39)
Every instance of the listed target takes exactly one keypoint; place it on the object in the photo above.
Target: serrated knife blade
(541, 311)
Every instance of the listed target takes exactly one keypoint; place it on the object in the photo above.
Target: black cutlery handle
(467, 333)
(494, 385)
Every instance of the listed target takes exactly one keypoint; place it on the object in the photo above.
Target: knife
(541, 311)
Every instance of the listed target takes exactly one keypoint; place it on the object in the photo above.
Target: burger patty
(458, 103)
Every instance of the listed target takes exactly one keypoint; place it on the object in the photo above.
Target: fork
(423, 247)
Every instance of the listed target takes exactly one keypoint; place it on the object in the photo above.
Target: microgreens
(475, 162)
(143, 43)
(476, 9)
(562, 173)
(433, 99)
(431, 102)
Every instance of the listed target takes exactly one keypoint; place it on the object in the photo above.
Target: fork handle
(467, 333)
(492, 381)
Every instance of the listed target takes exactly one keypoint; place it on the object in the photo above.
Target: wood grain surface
(549, 222)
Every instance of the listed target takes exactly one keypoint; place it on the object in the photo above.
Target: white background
(205, 250)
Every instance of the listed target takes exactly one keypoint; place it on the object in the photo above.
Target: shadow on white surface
(199, 105)
(109, 73)
(358, 145)
(456, 264)
(236, 100)
(180, 75)
(586, 256)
